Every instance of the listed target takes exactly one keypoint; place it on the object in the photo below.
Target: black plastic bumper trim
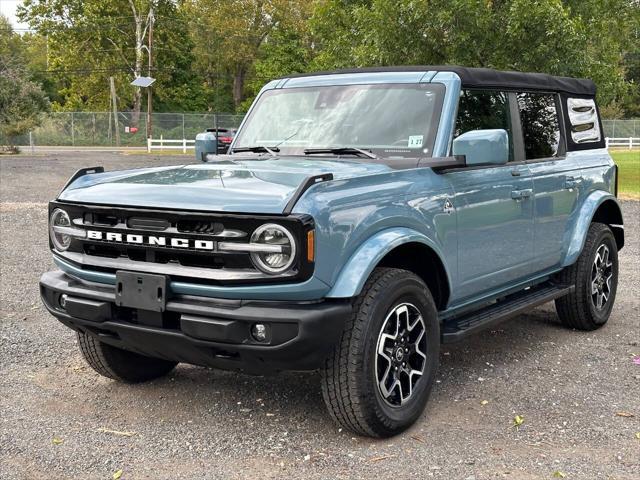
(203, 331)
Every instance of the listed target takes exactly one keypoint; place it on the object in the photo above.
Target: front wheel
(379, 376)
(595, 276)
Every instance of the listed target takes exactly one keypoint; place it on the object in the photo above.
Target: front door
(494, 209)
(494, 205)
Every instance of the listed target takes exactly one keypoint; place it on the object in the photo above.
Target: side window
(484, 109)
(540, 125)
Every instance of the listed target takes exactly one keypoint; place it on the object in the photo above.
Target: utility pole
(149, 88)
(114, 104)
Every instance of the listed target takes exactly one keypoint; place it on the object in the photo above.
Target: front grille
(179, 257)
(199, 226)
(195, 255)
(125, 223)
(154, 224)
(101, 250)
(99, 219)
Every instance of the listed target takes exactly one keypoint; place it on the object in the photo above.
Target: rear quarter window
(583, 117)
(540, 124)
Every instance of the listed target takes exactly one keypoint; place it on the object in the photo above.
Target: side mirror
(483, 147)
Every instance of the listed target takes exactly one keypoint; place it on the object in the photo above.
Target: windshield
(392, 121)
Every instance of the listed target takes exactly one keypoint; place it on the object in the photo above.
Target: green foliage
(89, 40)
(35, 52)
(628, 162)
(21, 99)
(231, 36)
(286, 51)
(588, 38)
(214, 55)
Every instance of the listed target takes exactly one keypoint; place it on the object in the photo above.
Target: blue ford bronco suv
(360, 219)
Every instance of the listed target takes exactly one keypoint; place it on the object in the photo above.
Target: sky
(8, 9)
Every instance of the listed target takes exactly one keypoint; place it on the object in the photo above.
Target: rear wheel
(121, 365)
(379, 376)
(595, 276)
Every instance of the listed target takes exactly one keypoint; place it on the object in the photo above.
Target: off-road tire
(121, 365)
(577, 310)
(348, 377)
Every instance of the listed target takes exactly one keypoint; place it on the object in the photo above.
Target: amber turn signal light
(311, 237)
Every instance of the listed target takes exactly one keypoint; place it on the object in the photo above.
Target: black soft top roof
(488, 78)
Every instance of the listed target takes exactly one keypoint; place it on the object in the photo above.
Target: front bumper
(202, 331)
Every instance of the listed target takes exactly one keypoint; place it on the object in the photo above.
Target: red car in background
(224, 137)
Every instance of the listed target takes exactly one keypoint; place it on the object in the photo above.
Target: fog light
(63, 300)
(259, 332)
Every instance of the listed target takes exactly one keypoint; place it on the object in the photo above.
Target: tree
(35, 49)
(585, 38)
(229, 34)
(21, 100)
(286, 51)
(216, 54)
(90, 40)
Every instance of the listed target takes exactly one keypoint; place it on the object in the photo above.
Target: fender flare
(356, 271)
(583, 220)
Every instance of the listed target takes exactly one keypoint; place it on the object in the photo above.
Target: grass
(628, 162)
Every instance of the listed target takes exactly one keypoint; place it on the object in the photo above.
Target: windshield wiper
(258, 148)
(340, 151)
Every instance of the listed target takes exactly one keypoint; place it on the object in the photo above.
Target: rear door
(556, 177)
(494, 204)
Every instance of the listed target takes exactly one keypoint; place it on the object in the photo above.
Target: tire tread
(118, 364)
(347, 404)
(572, 309)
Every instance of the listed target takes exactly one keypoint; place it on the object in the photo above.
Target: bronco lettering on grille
(151, 240)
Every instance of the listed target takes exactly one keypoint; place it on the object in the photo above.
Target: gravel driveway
(579, 393)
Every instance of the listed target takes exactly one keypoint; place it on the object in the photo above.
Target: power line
(95, 70)
(202, 24)
(105, 22)
(90, 70)
(91, 26)
(60, 27)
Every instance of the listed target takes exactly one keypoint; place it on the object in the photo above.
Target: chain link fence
(621, 128)
(98, 128)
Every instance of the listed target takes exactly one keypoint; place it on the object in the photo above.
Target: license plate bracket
(141, 290)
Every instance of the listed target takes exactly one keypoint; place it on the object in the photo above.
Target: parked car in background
(225, 138)
(360, 219)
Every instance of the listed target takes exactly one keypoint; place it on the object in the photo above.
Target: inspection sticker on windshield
(415, 141)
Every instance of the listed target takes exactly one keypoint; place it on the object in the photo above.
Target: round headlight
(281, 258)
(59, 218)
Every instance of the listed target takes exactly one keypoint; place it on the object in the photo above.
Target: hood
(244, 185)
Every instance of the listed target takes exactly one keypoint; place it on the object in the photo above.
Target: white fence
(93, 129)
(162, 144)
(628, 142)
(184, 144)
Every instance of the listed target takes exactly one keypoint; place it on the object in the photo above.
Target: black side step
(457, 328)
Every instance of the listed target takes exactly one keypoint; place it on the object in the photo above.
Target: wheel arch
(430, 268)
(609, 213)
(599, 207)
(396, 248)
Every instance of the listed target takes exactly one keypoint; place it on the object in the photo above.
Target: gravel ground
(569, 386)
